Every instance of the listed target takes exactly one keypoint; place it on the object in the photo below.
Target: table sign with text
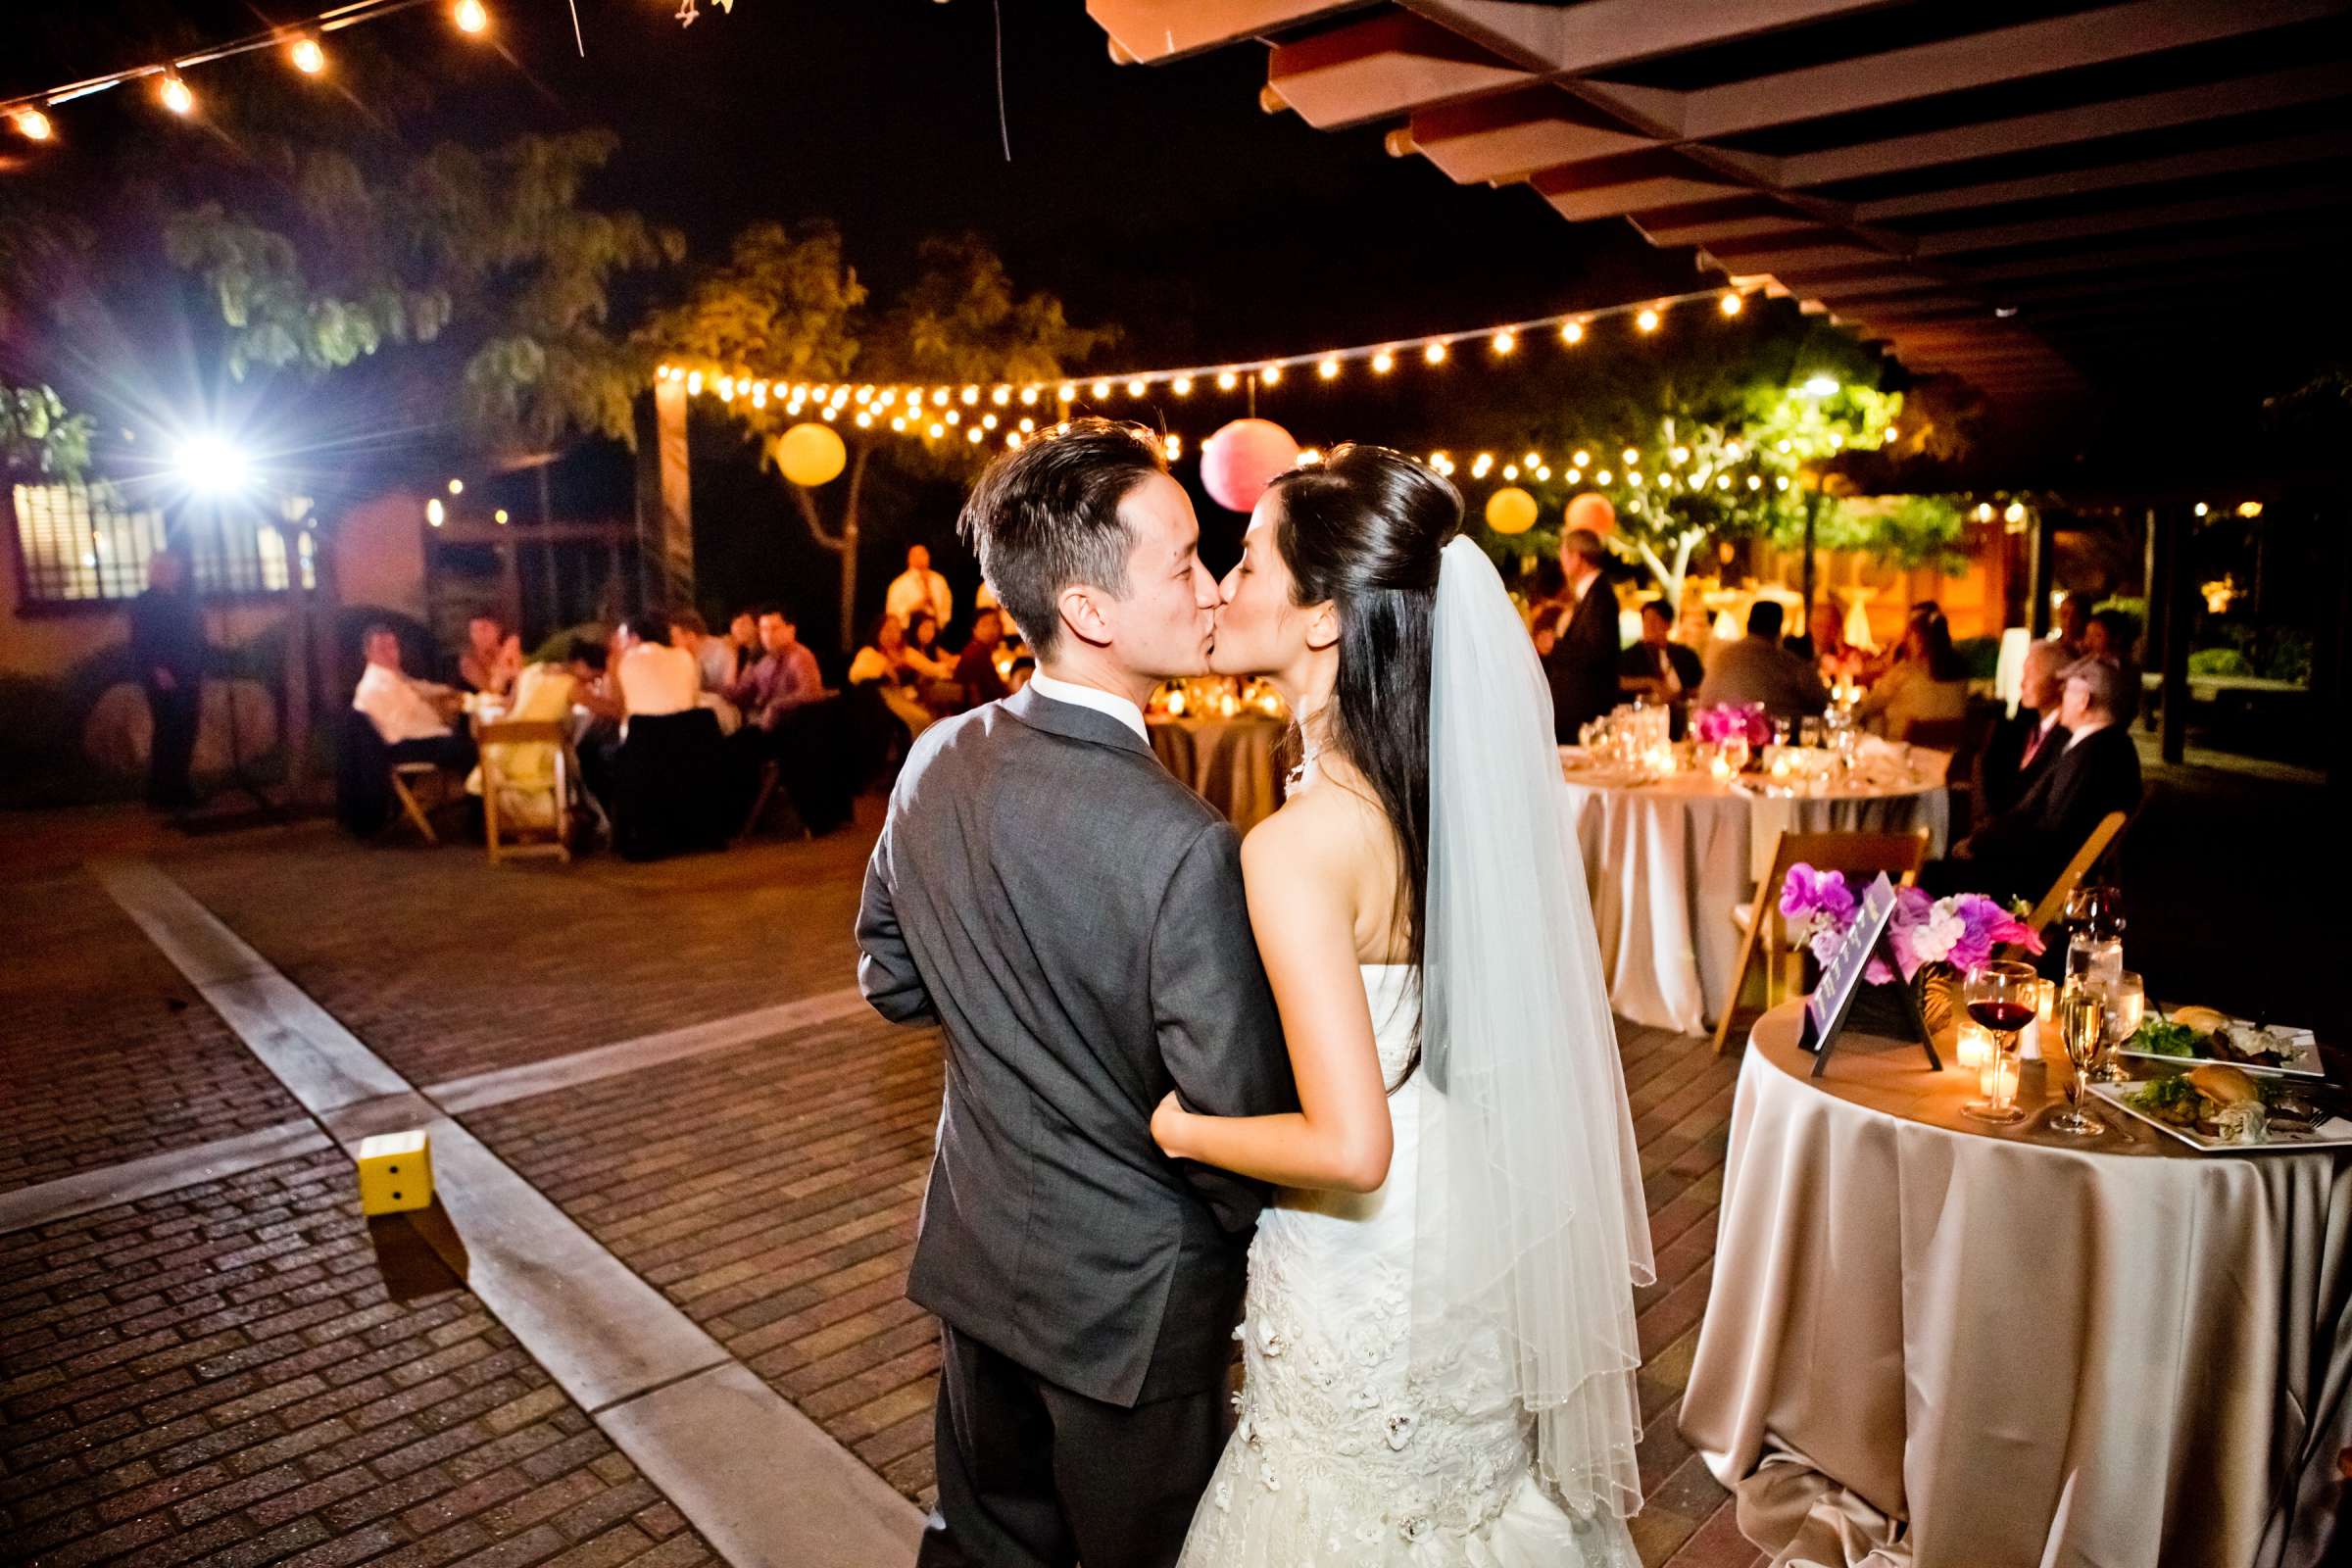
(1842, 979)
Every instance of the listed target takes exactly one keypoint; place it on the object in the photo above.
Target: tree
(786, 308)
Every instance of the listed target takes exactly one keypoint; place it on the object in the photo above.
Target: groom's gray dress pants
(1034, 1476)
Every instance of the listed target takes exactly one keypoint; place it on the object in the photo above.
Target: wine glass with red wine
(2002, 996)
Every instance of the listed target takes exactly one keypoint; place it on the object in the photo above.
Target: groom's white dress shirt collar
(1102, 702)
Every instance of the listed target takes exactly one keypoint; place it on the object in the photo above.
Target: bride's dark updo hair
(1364, 529)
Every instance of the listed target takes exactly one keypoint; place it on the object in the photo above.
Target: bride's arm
(1297, 872)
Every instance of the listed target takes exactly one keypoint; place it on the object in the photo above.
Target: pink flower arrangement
(1725, 722)
(1963, 930)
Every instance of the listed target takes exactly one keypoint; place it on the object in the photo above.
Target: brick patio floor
(769, 1189)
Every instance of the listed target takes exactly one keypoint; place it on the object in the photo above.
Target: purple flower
(1721, 722)
(1808, 892)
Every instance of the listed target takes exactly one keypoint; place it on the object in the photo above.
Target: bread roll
(2204, 1020)
(2223, 1085)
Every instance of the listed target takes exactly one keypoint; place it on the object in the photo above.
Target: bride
(1438, 1333)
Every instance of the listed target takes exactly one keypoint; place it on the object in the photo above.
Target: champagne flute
(2000, 996)
(2083, 1024)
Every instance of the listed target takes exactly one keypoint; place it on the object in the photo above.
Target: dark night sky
(1158, 197)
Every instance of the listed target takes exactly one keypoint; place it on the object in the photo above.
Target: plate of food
(2200, 1034)
(2228, 1109)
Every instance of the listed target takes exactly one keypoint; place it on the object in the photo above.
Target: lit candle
(1973, 1043)
(1997, 1079)
(1721, 768)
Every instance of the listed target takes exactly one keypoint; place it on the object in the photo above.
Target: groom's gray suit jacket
(1074, 919)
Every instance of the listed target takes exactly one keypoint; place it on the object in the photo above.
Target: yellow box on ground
(396, 1172)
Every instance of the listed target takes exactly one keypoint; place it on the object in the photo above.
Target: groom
(1073, 917)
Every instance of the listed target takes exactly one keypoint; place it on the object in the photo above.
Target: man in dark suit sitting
(2021, 851)
(1666, 670)
(2022, 748)
(1582, 665)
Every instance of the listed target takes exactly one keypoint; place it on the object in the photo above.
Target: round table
(1930, 1342)
(1230, 761)
(1666, 861)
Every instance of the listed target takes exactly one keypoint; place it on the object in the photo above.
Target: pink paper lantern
(1591, 510)
(1237, 462)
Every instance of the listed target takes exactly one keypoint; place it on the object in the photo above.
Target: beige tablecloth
(1947, 1346)
(1231, 761)
(1666, 861)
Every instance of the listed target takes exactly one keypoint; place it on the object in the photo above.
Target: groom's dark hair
(1047, 515)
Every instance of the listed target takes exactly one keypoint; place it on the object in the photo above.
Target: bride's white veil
(1530, 1217)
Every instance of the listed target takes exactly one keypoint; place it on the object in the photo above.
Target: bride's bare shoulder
(1323, 828)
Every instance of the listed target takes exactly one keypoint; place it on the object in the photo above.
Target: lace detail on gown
(1345, 1453)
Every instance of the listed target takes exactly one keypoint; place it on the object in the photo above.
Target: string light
(1581, 457)
(974, 435)
(499, 516)
(1028, 397)
(1272, 375)
(1505, 341)
(1227, 381)
(175, 94)
(988, 422)
(1434, 354)
(1182, 386)
(1572, 332)
(1135, 388)
(308, 56)
(33, 124)
(1631, 456)
(1329, 369)
(456, 487)
(471, 17)
(1648, 320)
(1511, 470)
(435, 512)
(1731, 304)
(971, 395)
(1382, 362)
(1101, 389)
(1069, 393)
(954, 417)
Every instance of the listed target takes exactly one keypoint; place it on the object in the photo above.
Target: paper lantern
(1593, 513)
(1511, 509)
(1237, 462)
(811, 455)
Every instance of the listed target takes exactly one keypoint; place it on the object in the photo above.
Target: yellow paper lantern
(811, 455)
(1511, 509)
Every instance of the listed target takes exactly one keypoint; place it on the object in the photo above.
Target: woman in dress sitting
(883, 662)
(1928, 684)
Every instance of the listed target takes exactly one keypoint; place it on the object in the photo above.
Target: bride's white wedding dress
(1350, 1451)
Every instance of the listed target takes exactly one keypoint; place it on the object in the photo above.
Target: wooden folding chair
(1860, 856)
(2053, 903)
(508, 840)
(404, 777)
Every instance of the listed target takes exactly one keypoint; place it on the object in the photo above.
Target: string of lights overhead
(969, 412)
(301, 44)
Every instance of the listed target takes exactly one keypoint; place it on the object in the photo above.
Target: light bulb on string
(307, 55)
(935, 430)
(1581, 457)
(971, 395)
(1575, 476)
(1001, 396)
(1534, 458)
(1101, 389)
(175, 95)
(470, 16)
(1028, 425)
(1731, 304)
(1182, 386)
(1069, 392)
(1227, 381)
(1329, 369)
(974, 435)
(1028, 397)
(1271, 375)
(1631, 456)
(954, 417)
(1511, 470)
(1434, 354)
(1572, 332)
(988, 422)
(1382, 362)
(1012, 440)
(1602, 477)
(33, 124)
(1135, 388)
(898, 423)
(1648, 320)
(1505, 341)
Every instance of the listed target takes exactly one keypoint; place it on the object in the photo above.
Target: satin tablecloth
(1666, 861)
(1968, 1348)
(1230, 761)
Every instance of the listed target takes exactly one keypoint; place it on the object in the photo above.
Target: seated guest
(491, 660)
(1655, 664)
(1832, 655)
(2074, 624)
(786, 678)
(2111, 637)
(976, 671)
(417, 718)
(527, 769)
(882, 665)
(1756, 668)
(2021, 746)
(2020, 852)
(923, 652)
(654, 676)
(743, 640)
(691, 632)
(1024, 667)
(1928, 684)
